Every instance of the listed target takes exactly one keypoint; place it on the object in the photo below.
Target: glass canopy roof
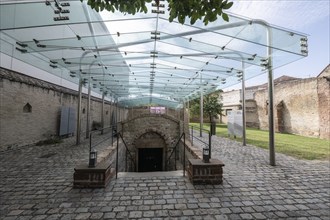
(142, 59)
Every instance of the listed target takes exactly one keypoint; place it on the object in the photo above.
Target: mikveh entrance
(150, 159)
(150, 149)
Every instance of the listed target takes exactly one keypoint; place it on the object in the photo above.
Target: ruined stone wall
(164, 125)
(251, 114)
(323, 92)
(296, 109)
(45, 99)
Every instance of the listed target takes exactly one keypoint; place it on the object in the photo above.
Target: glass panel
(142, 58)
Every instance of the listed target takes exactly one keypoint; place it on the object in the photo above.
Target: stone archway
(151, 151)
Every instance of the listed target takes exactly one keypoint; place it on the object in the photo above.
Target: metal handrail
(118, 134)
(91, 135)
(209, 145)
(173, 150)
(199, 128)
(129, 152)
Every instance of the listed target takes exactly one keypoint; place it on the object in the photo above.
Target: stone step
(151, 174)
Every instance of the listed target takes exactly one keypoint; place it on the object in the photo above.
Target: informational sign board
(157, 110)
(68, 119)
(235, 123)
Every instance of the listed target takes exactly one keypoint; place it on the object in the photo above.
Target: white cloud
(292, 14)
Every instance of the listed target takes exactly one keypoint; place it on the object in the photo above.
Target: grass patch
(294, 145)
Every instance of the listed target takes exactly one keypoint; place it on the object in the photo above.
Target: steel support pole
(117, 112)
(192, 135)
(243, 104)
(271, 100)
(102, 113)
(184, 111)
(269, 67)
(110, 115)
(79, 112)
(210, 143)
(88, 110)
(117, 148)
(201, 110)
(184, 154)
(188, 106)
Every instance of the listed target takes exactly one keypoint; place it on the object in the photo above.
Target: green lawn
(294, 145)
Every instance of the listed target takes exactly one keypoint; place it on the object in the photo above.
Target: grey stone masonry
(36, 187)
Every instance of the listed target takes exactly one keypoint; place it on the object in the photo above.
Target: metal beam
(201, 110)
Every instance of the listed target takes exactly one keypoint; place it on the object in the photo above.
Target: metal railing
(174, 151)
(91, 137)
(133, 161)
(192, 137)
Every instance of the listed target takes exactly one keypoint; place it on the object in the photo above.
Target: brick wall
(21, 128)
(301, 107)
(164, 127)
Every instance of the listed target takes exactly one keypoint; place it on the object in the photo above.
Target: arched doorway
(150, 155)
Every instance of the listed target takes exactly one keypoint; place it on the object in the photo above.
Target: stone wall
(30, 109)
(301, 107)
(323, 92)
(251, 114)
(163, 127)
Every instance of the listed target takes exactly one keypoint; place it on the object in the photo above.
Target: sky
(310, 17)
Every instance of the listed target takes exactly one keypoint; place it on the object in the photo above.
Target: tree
(211, 105)
(206, 10)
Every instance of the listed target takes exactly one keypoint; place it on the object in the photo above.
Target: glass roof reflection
(142, 59)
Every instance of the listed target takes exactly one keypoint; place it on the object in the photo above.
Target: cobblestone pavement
(36, 183)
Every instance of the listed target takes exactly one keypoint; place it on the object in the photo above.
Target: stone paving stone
(294, 189)
(122, 215)
(109, 215)
(149, 214)
(83, 216)
(161, 213)
(135, 214)
(97, 215)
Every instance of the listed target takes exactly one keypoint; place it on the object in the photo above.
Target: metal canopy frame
(142, 59)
